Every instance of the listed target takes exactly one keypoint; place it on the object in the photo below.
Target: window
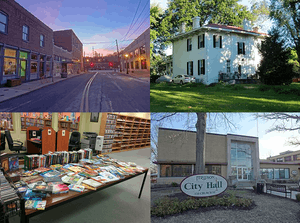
(25, 35)
(189, 44)
(190, 68)
(10, 62)
(279, 159)
(240, 69)
(228, 66)
(201, 41)
(175, 170)
(294, 157)
(137, 65)
(241, 48)
(33, 67)
(3, 22)
(201, 67)
(217, 41)
(143, 64)
(213, 169)
(287, 158)
(131, 65)
(42, 40)
(143, 49)
(136, 52)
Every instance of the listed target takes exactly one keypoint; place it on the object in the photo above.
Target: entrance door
(23, 69)
(242, 173)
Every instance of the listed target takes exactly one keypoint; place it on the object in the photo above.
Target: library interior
(58, 161)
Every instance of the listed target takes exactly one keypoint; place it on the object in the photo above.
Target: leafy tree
(260, 11)
(286, 14)
(274, 68)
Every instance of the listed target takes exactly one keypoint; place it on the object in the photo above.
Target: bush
(153, 78)
(255, 188)
(174, 184)
(298, 197)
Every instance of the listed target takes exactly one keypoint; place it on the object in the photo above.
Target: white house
(214, 50)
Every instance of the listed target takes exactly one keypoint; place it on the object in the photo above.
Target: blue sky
(269, 143)
(94, 20)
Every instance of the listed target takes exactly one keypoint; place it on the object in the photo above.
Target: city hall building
(234, 157)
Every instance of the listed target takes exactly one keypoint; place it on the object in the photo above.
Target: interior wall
(145, 115)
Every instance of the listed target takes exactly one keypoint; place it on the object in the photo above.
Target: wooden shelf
(6, 122)
(34, 121)
(68, 125)
(122, 133)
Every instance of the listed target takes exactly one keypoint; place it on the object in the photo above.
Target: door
(23, 69)
(242, 173)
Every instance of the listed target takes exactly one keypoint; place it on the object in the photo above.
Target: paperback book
(77, 188)
(36, 205)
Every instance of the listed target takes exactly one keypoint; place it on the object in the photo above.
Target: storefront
(23, 63)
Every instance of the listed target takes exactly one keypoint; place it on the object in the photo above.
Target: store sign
(294, 172)
(203, 185)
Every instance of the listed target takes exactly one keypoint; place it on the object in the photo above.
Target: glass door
(23, 69)
(243, 173)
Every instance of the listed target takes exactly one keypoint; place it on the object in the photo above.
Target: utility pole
(118, 55)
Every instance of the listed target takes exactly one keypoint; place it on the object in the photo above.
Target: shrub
(174, 184)
(255, 188)
(298, 197)
(153, 78)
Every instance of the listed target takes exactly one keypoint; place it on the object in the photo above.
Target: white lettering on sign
(203, 185)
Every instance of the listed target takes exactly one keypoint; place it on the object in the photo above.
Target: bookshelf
(40, 121)
(6, 122)
(68, 121)
(124, 132)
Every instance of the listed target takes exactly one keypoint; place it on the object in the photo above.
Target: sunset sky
(94, 20)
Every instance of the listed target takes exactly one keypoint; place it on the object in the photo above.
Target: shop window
(48, 58)
(10, 52)
(131, 55)
(6, 122)
(131, 65)
(38, 119)
(137, 65)
(25, 35)
(34, 56)
(10, 66)
(136, 52)
(42, 40)
(3, 22)
(48, 66)
(68, 121)
(23, 55)
(143, 49)
(143, 64)
(33, 67)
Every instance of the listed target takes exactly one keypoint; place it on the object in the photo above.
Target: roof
(219, 27)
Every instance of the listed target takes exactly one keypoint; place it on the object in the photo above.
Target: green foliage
(255, 188)
(298, 197)
(274, 68)
(153, 78)
(169, 206)
(174, 184)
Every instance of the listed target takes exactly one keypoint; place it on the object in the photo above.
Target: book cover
(39, 205)
(77, 188)
(60, 188)
(13, 163)
(42, 188)
(92, 183)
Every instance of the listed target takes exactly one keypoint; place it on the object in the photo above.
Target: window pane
(33, 56)
(165, 170)
(23, 55)
(3, 18)
(33, 67)
(10, 52)
(10, 66)
(2, 28)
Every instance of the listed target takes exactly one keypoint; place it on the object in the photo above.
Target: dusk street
(101, 91)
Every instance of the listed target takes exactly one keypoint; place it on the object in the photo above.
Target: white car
(183, 78)
(164, 78)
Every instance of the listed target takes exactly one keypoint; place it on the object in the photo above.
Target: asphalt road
(90, 92)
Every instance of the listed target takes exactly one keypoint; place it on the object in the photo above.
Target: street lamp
(126, 55)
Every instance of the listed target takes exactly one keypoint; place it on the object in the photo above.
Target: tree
(286, 14)
(275, 68)
(283, 122)
(260, 11)
(201, 127)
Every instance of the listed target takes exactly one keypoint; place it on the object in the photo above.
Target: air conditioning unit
(99, 143)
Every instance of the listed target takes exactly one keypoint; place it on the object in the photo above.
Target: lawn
(224, 98)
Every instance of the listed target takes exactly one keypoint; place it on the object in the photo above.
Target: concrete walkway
(7, 93)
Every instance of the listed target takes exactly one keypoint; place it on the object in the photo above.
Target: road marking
(18, 106)
(85, 95)
(117, 86)
(110, 105)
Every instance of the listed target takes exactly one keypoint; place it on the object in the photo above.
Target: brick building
(101, 63)
(26, 44)
(61, 60)
(138, 55)
(68, 40)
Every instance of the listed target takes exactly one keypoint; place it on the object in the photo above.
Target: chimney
(182, 27)
(196, 22)
(247, 25)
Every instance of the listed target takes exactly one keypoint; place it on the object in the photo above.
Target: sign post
(203, 185)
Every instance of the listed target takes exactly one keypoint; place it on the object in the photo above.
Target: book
(30, 195)
(77, 188)
(72, 179)
(60, 188)
(108, 176)
(38, 188)
(35, 204)
(91, 183)
(52, 179)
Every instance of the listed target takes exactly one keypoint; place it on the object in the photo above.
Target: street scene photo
(95, 57)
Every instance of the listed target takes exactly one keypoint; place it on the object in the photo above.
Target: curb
(37, 89)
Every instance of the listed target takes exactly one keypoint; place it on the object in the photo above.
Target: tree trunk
(200, 143)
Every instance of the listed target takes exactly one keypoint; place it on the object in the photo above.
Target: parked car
(164, 78)
(183, 78)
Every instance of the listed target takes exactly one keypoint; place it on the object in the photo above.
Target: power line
(105, 42)
(139, 26)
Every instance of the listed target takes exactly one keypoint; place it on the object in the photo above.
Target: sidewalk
(7, 93)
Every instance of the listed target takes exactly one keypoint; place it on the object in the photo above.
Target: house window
(201, 67)
(190, 68)
(25, 34)
(42, 40)
(189, 44)
(228, 66)
(217, 41)
(240, 69)
(3, 22)
(201, 41)
(241, 47)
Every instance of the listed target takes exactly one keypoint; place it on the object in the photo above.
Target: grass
(224, 98)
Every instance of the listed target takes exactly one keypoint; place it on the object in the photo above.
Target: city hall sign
(203, 185)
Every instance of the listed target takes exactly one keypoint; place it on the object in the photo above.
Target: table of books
(48, 181)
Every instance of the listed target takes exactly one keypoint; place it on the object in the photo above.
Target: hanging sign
(63, 132)
(49, 132)
(294, 172)
(203, 185)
